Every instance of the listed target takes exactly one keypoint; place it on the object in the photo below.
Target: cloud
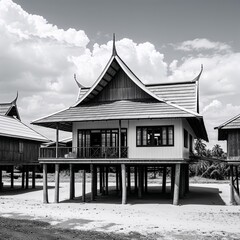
(200, 44)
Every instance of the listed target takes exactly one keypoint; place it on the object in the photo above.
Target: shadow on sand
(198, 195)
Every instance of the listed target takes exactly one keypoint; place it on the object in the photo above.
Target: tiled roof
(11, 127)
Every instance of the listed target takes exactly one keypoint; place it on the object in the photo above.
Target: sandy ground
(203, 212)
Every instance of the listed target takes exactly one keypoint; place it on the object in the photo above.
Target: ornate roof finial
(114, 51)
(199, 75)
(79, 84)
(15, 100)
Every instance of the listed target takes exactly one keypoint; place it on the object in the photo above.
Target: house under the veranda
(127, 125)
(230, 131)
(19, 144)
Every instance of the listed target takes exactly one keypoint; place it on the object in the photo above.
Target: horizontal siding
(12, 127)
(234, 124)
(182, 94)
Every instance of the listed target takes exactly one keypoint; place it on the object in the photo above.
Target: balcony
(82, 153)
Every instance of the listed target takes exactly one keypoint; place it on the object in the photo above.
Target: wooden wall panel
(10, 152)
(121, 87)
(233, 144)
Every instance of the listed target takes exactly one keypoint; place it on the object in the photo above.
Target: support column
(136, 178)
(117, 180)
(128, 179)
(124, 187)
(92, 183)
(140, 181)
(176, 184)
(232, 200)
(119, 139)
(101, 179)
(33, 177)
(164, 180)
(187, 179)
(12, 176)
(56, 196)
(83, 185)
(57, 138)
(27, 176)
(45, 187)
(182, 181)
(172, 178)
(146, 179)
(236, 176)
(72, 181)
(1, 183)
(23, 176)
(106, 180)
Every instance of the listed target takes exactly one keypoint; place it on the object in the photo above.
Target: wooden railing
(83, 152)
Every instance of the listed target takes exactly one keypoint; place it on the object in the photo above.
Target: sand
(205, 211)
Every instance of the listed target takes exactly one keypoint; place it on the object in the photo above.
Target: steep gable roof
(233, 123)
(14, 128)
(10, 109)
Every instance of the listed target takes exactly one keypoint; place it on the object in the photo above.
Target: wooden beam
(232, 200)
(176, 184)
(72, 181)
(12, 176)
(119, 140)
(57, 138)
(83, 185)
(129, 179)
(136, 178)
(23, 176)
(124, 187)
(146, 178)
(45, 185)
(56, 196)
(164, 179)
(92, 183)
(33, 177)
(140, 182)
(27, 176)
(106, 180)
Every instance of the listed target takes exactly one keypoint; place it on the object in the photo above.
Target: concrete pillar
(164, 179)
(72, 182)
(45, 185)
(172, 178)
(1, 183)
(124, 187)
(56, 196)
(117, 180)
(176, 184)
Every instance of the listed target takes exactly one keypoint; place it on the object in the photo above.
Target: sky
(43, 43)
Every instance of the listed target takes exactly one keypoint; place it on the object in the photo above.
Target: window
(155, 136)
(185, 138)
(190, 143)
(20, 147)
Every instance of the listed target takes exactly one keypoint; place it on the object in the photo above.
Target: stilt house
(19, 144)
(230, 131)
(127, 125)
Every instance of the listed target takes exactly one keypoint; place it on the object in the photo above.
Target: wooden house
(122, 123)
(19, 144)
(230, 131)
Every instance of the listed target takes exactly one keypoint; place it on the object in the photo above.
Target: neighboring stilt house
(19, 144)
(230, 131)
(124, 124)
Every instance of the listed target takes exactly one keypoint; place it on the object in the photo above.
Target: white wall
(185, 125)
(176, 151)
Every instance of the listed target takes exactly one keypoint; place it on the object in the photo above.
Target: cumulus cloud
(200, 44)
